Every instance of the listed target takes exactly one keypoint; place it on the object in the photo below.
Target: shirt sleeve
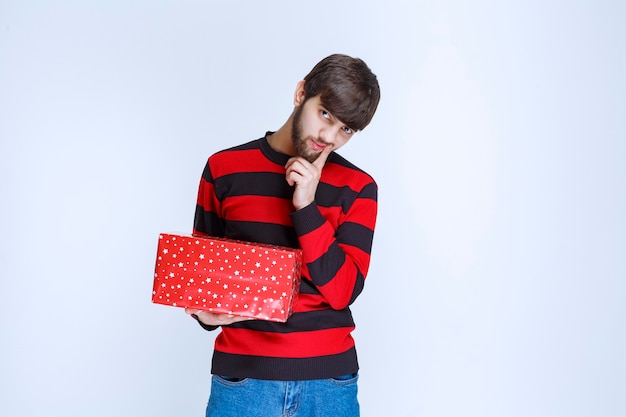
(338, 259)
(207, 220)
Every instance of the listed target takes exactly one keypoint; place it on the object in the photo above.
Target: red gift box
(227, 276)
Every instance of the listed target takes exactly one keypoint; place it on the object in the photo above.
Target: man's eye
(325, 114)
(347, 130)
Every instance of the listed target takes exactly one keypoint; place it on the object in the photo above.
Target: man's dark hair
(349, 90)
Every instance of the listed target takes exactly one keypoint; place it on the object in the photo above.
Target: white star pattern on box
(230, 273)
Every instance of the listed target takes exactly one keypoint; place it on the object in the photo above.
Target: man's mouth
(317, 146)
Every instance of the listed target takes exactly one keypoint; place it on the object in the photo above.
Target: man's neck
(281, 140)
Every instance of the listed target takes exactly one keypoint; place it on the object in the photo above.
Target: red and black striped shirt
(243, 195)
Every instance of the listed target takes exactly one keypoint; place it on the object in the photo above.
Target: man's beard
(299, 142)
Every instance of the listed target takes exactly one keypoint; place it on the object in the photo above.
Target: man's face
(314, 128)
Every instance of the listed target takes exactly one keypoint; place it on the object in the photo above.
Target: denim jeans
(333, 397)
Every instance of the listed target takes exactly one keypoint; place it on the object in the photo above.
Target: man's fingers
(321, 159)
(292, 173)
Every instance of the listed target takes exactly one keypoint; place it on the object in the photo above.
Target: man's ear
(298, 97)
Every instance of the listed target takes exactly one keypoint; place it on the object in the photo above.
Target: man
(290, 188)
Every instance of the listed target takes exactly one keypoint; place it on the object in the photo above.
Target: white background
(498, 278)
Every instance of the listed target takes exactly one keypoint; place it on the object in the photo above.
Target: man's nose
(328, 134)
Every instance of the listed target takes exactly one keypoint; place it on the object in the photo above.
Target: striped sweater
(243, 195)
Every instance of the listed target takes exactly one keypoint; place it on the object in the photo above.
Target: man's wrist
(307, 219)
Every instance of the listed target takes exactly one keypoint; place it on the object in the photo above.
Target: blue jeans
(333, 397)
